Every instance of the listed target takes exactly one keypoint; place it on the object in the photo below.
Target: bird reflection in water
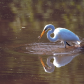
(58, 61)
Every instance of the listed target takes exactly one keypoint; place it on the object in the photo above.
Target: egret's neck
(53, 39)
(51, 66)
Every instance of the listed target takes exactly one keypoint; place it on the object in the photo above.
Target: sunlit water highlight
(49, 49)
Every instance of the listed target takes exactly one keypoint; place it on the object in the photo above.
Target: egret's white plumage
(60, 34)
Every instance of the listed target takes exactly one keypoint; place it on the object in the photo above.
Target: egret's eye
(45, 29)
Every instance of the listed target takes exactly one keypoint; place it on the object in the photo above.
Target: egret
(60, 34)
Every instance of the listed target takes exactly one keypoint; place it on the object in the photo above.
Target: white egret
(60, 34)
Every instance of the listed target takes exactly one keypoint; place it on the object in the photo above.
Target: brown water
(20, 63)
(20, 48)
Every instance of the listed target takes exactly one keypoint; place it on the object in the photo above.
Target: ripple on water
(48, 49)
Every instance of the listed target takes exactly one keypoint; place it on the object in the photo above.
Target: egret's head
(45, 29)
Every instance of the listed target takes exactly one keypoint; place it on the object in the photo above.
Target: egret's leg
(68, 44)
(65, 44)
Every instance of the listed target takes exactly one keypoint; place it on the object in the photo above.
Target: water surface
(20, 63)
(20, 49)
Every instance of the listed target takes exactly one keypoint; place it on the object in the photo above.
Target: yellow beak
(42, 33)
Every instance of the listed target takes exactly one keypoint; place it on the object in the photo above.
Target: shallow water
(20, 63)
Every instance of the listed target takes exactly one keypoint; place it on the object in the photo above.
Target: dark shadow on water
(6, 33)
(6, 16)
(20, 78)
(5, 10)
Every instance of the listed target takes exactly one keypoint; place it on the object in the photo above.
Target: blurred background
(21, 22)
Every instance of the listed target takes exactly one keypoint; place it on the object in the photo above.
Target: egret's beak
(42, 62)
(41, 34)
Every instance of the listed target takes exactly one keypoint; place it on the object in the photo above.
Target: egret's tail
(78, 42)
